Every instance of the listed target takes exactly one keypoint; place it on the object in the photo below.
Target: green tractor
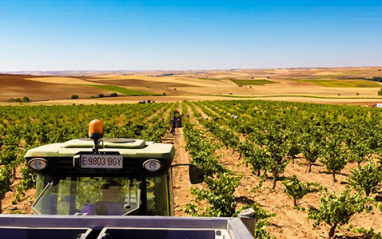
(125, 183)
(96, 176)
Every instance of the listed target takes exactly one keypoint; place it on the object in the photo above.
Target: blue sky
(188, 35)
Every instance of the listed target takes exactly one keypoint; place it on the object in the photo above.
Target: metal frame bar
(234, 226)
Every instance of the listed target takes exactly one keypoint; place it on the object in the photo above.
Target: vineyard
(307, 170)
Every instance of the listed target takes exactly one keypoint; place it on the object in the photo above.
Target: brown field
(193, 86)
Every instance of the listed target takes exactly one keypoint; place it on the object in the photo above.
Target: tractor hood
(115, 156)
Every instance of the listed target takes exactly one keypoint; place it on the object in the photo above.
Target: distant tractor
(177, 117)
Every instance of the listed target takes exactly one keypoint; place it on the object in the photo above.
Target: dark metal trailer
(120, 227)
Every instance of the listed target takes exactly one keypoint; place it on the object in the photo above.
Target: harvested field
(193, 85)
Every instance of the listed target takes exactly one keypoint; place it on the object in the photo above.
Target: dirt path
(181, 182)
(180, 178)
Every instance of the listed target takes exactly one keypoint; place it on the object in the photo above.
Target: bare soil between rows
(289, 223)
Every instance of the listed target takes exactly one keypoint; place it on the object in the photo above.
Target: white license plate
(101, 161)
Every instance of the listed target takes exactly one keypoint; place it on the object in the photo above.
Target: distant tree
(100, 95)
(25, 99)
(74, 97)
(113, 95)
(164, 94)
(17, 100)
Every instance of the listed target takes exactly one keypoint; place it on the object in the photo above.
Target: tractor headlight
(152, 165)
(38, 163)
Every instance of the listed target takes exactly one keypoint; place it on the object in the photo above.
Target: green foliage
(275, 131)
(375, 78)
(122, 90)
(311, 146)
(221, 182)
(22, 128)
(156, 132)
(29, 181)
(366, 178)
(338, 209)
(220, 196)
(254, 156)
(9, 155)
(29, 177)
(294, 145)
(261, 216)
(260, 230)
(113, 94)
(334, 156)
(297, 190)
(25, 99)
(343, 83)
(253, 82)
(277, 149)
(228, 138)
(74, 97)
(266, 131)
(101, 95)
(359, 146)
(5, 181)
(260, 213)
(202, 151)
(369, 233)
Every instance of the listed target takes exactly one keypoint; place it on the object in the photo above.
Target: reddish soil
(24, 206)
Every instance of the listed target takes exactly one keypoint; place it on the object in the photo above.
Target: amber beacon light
(96, 132)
